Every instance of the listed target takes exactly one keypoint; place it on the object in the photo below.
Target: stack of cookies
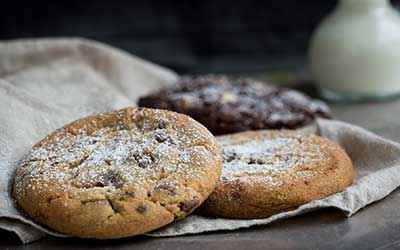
(131, 171)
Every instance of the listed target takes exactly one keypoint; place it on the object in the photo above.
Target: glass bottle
(355, 52)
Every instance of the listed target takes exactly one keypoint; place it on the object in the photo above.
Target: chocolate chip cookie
(268, 172)
(118, 174)
(227, 106)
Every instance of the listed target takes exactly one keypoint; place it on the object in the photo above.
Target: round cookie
(226, 106)
(268, 172)
(118, 174)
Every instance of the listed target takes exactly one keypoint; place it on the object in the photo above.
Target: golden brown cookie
(118, 174)
(267, 172)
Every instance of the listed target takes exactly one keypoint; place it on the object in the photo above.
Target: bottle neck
(364, 5)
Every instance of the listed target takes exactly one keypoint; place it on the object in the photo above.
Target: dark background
(187, 36)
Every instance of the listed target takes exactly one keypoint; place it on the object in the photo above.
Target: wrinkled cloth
(47, 83)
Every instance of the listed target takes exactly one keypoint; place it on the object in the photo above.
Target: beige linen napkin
(47, 83)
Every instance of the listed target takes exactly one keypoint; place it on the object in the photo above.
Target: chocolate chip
(141, 209)
(189, 205)
(99, 184)
(112, 179)
(251, 161)
(162, 124)
(226, 105)
(144, 162)
(260, 161)
(160, 136)
(232, 156)
(134, 154)
(235, 195)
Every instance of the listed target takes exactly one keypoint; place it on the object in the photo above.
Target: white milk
(355, 52)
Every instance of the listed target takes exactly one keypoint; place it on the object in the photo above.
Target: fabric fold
(47, 83)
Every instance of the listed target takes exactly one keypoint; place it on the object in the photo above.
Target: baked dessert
(227, 106)
(118, 174)
(268, 172)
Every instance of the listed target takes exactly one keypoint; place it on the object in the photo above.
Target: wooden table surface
(375, 227)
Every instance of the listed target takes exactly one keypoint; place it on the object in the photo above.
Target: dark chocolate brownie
(226, 106)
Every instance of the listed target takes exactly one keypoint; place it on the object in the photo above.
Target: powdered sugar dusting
(112, 157)
(266, 158)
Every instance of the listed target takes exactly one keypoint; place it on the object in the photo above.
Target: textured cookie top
(226, 106)
(268, 172)
(267, 155)
(145, 154)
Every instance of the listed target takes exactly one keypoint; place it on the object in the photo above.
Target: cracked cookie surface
(118, 174)
(267, 172)
(227, 105)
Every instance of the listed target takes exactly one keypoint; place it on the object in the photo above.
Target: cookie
(227, 106)
(118, 174)
(269, 172)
